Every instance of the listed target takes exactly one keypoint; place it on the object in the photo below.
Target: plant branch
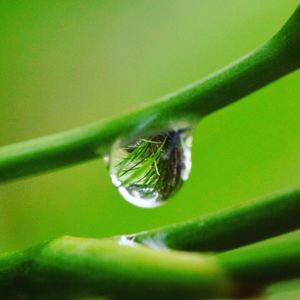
(265, 262)
(276, 58)
(230, 228)
(88, 267)
(91, 267)
(124, 267)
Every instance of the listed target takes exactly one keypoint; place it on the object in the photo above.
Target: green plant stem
(123, 268)
(230, 228)
(89, 267)
(276, 58)
(265, 262)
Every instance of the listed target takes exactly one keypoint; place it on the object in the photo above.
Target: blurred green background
(64, 64)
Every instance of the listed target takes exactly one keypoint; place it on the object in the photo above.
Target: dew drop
(149, 171)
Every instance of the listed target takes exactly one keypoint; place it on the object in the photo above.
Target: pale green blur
(64, 64)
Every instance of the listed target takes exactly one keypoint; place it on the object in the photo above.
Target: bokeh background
(64, 64)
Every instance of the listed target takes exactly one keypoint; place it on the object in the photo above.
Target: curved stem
(230, 228)
(276, 58)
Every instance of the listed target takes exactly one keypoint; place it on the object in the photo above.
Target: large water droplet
(150, 170)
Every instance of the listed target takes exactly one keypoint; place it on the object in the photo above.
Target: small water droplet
(149, 171)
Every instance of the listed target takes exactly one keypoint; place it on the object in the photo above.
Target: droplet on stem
(149, 171)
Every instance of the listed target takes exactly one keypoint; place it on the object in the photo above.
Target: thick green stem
(276, 58)
(89, 267)
(230, 228)
(123, 268)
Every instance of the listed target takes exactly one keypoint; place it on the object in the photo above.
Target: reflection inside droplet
(150, 170)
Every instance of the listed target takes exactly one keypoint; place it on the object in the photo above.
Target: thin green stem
(265, 262)
(276, 58)
(231, 228)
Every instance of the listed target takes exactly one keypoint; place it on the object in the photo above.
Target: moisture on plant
(149, 171)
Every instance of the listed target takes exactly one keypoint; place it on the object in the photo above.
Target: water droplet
(149, 171)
